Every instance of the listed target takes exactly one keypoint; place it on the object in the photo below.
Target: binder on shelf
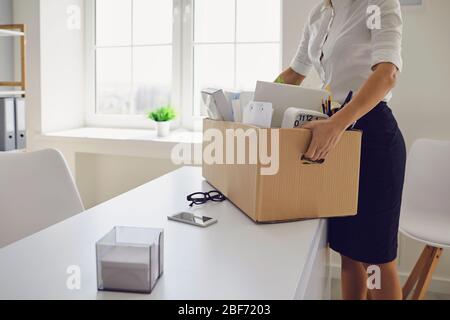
(20, 123)
(7, 125)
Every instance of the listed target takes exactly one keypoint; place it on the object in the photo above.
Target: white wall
(6, 44)
(421, 101)
(55, 72)
(62, 67)
(55, 59)
(28, 12)
(295, 15)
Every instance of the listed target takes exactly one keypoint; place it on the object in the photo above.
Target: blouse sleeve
(386, 37)
(301, 62)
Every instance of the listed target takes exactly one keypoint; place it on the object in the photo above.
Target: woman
(355, 45)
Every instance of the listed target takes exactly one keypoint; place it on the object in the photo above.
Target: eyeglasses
(203, 197)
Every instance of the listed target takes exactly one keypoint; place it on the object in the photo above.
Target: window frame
(191, 121)
(183, 44)
(94, 119)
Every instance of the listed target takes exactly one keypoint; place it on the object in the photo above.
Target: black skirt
(372, 235)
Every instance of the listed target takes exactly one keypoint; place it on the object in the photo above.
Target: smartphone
(190, 218)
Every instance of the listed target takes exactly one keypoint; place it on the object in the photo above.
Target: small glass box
(130, 259)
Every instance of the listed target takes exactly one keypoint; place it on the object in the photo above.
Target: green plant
(163, 114)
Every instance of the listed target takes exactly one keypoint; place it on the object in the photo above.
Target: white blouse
(344, 39)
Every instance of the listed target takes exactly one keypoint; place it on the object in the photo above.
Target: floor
(336, 292)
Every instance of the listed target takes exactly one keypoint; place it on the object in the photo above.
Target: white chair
(425, 213)
(36, 191)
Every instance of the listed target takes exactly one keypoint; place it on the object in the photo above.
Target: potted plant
(163, 116)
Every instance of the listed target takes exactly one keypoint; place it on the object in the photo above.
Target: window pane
(213, 67)
(258, 20)
(214, 20)
(113, 80)
(152, 77)
(113, 22)
(256, 62)
(152, 21)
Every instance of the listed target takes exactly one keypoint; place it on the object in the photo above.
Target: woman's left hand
(325, 136)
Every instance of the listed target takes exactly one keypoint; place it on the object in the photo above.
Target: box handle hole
(309, 161)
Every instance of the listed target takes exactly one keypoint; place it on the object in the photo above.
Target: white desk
(233, 259)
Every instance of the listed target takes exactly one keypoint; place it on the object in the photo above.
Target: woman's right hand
(289, 76)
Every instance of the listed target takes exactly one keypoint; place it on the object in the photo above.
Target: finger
(315, 150)
(332, 146)
(316, 154)
(311, 150)
(310, 153)
(323, 152)
(308, 125)
(322, 155)
(334, 143)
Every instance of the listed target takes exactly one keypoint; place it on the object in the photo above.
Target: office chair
(425, 213)
(36, 191)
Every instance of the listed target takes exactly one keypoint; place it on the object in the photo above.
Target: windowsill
(122, 142)
(114, 134)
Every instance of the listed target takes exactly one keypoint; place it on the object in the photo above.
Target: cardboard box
(297, 190)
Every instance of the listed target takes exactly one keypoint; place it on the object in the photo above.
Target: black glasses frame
(199, 198)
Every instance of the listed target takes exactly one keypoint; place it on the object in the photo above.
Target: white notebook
(283, 96)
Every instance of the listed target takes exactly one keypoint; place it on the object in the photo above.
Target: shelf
(11, 93)
(15, 30)
(11, 33)
(86, 133)
(15, 151)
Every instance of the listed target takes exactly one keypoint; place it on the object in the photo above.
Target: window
(133, 52)
(236, 42)
(147, 53)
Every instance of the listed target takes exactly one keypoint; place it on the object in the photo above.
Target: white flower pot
(163, 128)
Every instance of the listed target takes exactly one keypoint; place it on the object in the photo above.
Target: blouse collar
(336, 3)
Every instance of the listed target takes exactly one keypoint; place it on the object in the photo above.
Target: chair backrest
(427, 182)
(36, 191)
